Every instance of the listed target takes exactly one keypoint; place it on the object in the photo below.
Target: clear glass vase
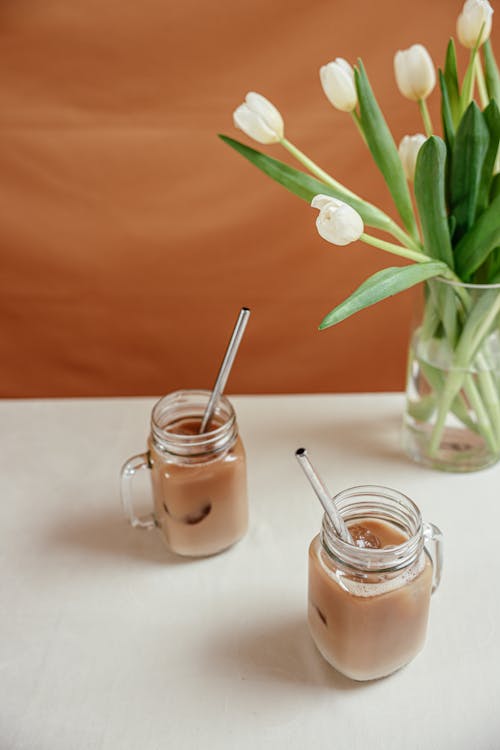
(452, 416)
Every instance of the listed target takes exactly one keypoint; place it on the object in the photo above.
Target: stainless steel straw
(324, 496)
(225, 367)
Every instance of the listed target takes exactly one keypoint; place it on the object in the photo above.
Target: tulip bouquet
(452, 242)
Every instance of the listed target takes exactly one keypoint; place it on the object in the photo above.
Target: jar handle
(433, 542)
(129, 469)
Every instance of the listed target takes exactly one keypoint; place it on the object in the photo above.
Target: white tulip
(259, 119)
(337, 80)
(408, 152)
(415, 74)
(474, 14)
(337, 222)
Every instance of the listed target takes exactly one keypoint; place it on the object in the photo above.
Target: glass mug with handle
(199, 481)
(368, 605)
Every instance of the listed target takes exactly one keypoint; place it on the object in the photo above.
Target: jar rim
(191, 403)
(394, 507)
(464, 284)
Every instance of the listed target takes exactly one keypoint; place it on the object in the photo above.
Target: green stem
(315, 169)
(451, 389)
(390, 225)
(490, 396)
(359, 126)
(476, 402)
(425, 117)
(390, 247)
(396, 231)
(481, 83)
(435, 379)
(459, 289)
(483, 328)
(468, 84)
(463, 358)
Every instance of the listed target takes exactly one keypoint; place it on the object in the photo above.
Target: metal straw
(324, 496)
(225, 367)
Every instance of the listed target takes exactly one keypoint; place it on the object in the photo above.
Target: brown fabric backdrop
(130, 235)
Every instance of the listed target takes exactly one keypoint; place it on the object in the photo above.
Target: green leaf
(447, 306)
(430, 194)
(449, 135)
(383, 149)
(491, 71)
(446, 115)
(452, 223)
(451, 78)
(491, 117)
(476, 245)
(423, 408)
(494, 269)
(469, 151)
(381, 285)
(495, 187)
(305, 186)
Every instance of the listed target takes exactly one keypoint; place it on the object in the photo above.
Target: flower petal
(339, 225)
(267, 111)
(474, 14)
(253, 125)
(415, 74)
(320, 201)
(337, 80)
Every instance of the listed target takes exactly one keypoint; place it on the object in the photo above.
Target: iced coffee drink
(368, 606)
(199, 480)
(200, 501)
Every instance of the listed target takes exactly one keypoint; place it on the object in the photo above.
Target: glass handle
(433, 541)
(129, 469)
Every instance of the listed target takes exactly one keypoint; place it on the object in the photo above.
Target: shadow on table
(365, 436)
(358, 436)
(276, 652)
(107, 534)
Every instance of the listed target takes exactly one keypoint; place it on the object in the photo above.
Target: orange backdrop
(130, 235)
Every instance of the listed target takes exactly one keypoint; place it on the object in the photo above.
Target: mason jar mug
(368, 605)
(198, 480)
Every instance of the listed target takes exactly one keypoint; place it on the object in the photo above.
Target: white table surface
(108, 642)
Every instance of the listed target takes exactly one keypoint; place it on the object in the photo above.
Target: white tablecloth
(108, 642)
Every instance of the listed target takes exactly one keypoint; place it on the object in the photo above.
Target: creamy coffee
(200, 500)
(368, 626)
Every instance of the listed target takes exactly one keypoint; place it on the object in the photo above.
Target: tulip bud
(408, 152)
(474, 15)
(259, 119)
(337, 80)
(337, 222)
(415, 74)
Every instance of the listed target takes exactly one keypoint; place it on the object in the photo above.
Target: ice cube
(194, 518)
(363, 537)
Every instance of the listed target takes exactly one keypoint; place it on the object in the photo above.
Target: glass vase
(452, 416)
